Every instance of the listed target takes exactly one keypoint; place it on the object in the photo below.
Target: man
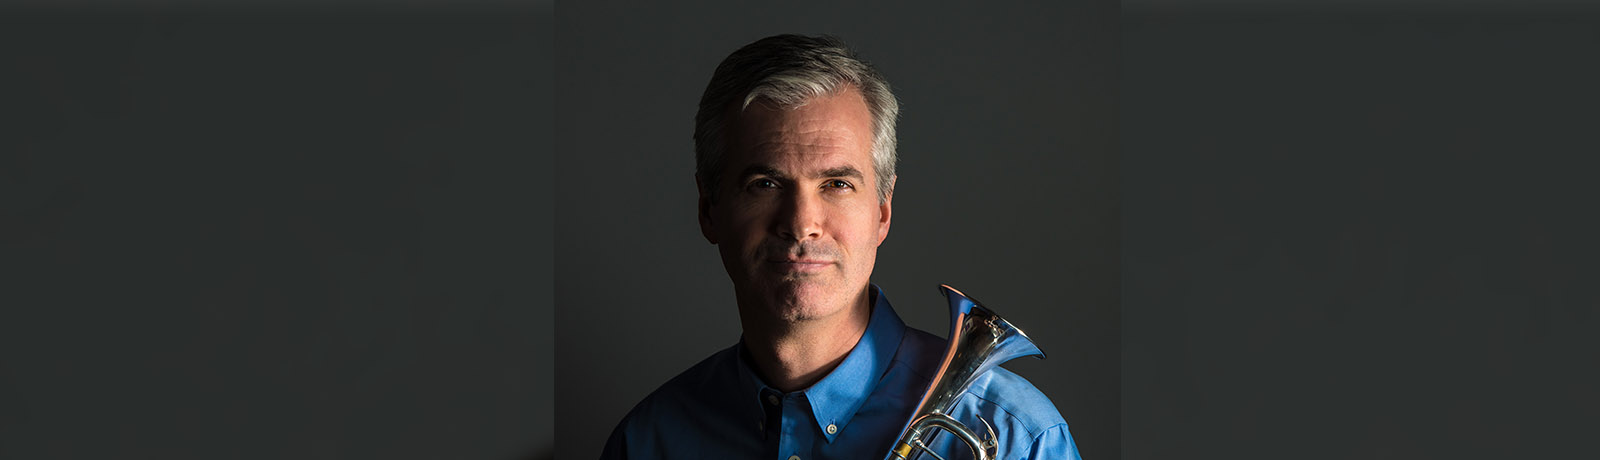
(795, 151)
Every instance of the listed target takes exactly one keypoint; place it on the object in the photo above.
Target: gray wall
(1360, 231)
(275, 233)
(1007, 190)
(323, 232)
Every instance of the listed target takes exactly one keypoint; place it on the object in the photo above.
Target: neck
(791, 356)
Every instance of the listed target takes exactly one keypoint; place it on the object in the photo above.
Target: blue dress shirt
(720, 409)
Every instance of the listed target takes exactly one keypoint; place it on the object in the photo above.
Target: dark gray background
(275, 233)
(1359, 232)
(1355, 231)
(1007, 190)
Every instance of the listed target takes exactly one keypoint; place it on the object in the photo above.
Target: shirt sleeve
(1054, 443)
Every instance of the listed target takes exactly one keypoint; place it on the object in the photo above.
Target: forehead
(829, 131)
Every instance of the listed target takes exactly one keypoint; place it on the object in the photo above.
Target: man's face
(797, 217)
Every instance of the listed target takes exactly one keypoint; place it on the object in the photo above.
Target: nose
(799, 217)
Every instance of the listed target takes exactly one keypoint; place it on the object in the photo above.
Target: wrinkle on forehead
(820, 141)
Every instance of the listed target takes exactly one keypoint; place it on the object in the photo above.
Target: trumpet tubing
(979, 341)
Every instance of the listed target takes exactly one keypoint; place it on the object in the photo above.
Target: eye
(763, 184)
(838, 184)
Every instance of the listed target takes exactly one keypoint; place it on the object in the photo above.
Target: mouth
(800, 265)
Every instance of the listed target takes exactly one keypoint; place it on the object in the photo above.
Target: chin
(801, 301)
(801, 313)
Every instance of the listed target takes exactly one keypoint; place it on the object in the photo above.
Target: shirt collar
(835, 399)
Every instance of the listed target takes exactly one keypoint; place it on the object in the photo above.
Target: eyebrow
(765, 170)
(761, 170)
(844, 171)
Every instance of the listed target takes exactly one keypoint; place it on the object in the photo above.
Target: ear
(886, 210)
(707, 227)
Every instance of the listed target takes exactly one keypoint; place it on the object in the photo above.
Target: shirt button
(833, 428)
(773, 400)
(794, 457)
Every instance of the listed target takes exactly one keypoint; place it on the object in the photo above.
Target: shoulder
(690, 385)
(999, 395)
(696, 411)
(1014, 398)
(1028, 422)
(689, 388)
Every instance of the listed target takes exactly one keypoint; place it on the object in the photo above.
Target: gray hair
(788, 71)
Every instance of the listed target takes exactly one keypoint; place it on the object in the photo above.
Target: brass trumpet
(979, 341)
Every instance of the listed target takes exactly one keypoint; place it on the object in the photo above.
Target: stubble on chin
(798, 298)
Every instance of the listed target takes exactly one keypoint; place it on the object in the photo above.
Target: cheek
(859, 230)
(746, 227)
